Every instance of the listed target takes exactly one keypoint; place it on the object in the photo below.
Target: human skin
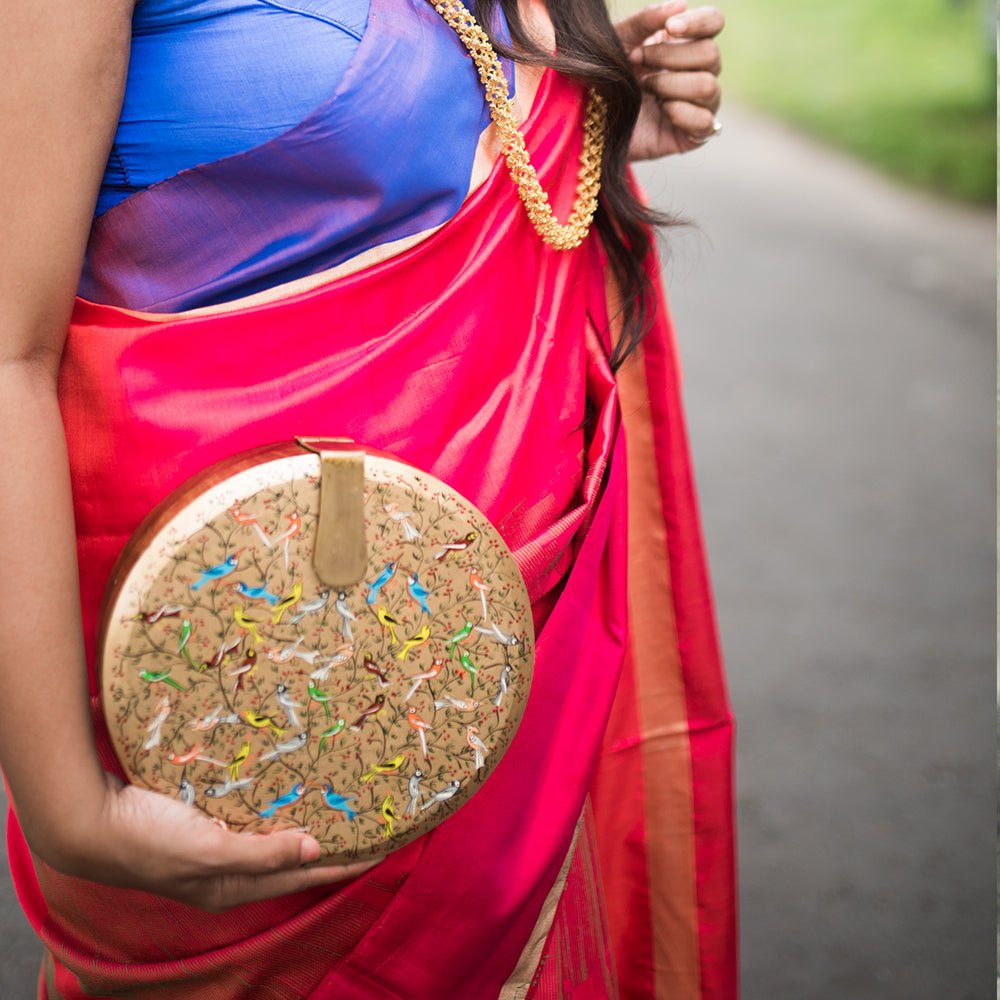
(59, 107)
(678, 63)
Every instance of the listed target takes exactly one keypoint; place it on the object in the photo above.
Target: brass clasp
(340, 554)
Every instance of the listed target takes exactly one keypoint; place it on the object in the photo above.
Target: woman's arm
(65, 63)
(65, 69)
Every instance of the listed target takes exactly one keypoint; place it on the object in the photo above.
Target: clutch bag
(316, 635)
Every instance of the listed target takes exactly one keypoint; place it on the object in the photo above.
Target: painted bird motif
(462, 633)
(156, 725)
(316, 695)
(471, 667)
(388, 622)
(207, 722)
(248, 625)
(197, 753)
(375, 670)
(388, 817)
(289, 746)
(460, 545)
(498, 635)
(247, 520)
(461, 704)
(328, 734)
(285, 701)
(256, 593)
(441, 796)
(318, 603)
(346, 615)
(217, 572)
(242, 755)
(477, 746)
(183, 638)
(244, 669)
(428, 675)
(402, 517)
(477, 582)
(417, 639)
(284, 654)
(502, 687)
(152, 617)
(160, 677)
(213, 719)
(339, 802)
(295, 651)
(373, 709)
(283, 801)
(420, 726)
(294, 527)
(289, 600)
(418, 592)
(217, 791)
(186, 792)
(380, 581)
(386, 767)
(342, 655)
(225, 648)
(413, 790)
(263, 722)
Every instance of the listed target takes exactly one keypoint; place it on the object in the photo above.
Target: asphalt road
(837, 336)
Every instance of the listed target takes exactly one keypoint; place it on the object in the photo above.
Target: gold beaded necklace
(536, 201)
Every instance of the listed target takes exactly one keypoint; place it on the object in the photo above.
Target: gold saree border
(48, 975)
(520, 980)
(661, 699)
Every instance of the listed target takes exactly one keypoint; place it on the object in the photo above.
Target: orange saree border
(663, 792)
(662, 708)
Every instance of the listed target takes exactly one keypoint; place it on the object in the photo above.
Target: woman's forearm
(64, 65)
(46, 744)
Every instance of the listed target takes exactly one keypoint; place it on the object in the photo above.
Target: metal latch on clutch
(340, 555)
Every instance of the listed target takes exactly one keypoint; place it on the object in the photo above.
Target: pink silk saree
(597, 860)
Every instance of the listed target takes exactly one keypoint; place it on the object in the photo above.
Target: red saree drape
(597, 859)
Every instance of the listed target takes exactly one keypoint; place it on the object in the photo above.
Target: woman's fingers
(702, 22)
(701, 54)
(697, 88)
(244, 868)
(262, 854)
(234, 890)
(677, 63)
(696, 122)
(637, 29)
(247, 868)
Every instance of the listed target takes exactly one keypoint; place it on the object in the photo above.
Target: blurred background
(835, 306)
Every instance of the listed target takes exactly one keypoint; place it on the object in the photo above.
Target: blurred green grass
(908, 86)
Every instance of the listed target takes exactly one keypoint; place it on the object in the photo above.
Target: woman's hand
(143, 840)
(677, 61)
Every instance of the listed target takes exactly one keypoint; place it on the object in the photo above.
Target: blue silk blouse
(265, 140)
(209, 78)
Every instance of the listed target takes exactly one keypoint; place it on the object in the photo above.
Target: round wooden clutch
(316, 636)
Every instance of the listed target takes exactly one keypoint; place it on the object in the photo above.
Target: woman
(213, 344)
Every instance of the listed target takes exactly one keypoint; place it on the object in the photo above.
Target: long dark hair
(588, 50)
